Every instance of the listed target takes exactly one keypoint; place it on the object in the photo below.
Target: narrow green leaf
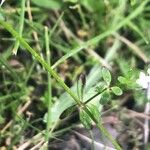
(130, 74)
(138, 30)
(94, 110)
(101, 87)
(105, 97)
(71, 1)
(2, 120)
(106, 75)
(49, 4)
(116, 90)
(122, 80)
(21, 26)
(133, 2)
(1, 16)
(85, 119)
(68, 112)
(81, 85)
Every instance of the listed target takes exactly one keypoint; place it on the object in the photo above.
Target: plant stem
(59, 80)
(42, 61)
(102, 128)
(21, 22)
(49, 91)
(94, 96)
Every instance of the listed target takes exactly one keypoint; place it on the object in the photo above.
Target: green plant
(79, 37)
(54, 74)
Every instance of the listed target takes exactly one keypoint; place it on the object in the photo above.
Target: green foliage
(85, 119)
(122, 80)
(72, 53)
(133, 2)
(71, 1)
(68, 111)
(95, 111)
(49, 4)
(129, 81)
(106, 75)
(101, 87)
(2, 119)
(1, 16)
(81, 82)
(140, 98)
(92, 6)
(130, 75)
(116, 90)
(105, 97)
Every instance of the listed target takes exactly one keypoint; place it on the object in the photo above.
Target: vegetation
(71, 62)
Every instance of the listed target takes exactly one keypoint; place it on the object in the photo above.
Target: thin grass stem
(49, 91)
(21, 25)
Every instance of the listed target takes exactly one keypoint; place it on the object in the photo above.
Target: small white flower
(1, 3)
(144, 80)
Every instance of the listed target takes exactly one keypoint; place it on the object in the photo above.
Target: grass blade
(98, 38)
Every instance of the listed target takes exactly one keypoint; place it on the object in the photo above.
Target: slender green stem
(59, 80)
(13, 73)
(71, 109)
(85, 45)
(91, 98)
(48, 36)
(21, 23)
(42, 61)
(102, 128)
(56, 24)
(18, 10)
(82, 17)
(13, 95)
(49, 97)
(29, 72)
